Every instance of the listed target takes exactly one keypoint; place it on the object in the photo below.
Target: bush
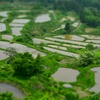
(90, 47)
(86, 59)
(25, 66)
(6, 96)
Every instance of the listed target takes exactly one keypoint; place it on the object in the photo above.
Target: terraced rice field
(20, 48)
(60, 43)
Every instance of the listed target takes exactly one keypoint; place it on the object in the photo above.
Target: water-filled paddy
(2, 27)
(58, 47)
(42, 18)
(39, 41)
(70, 37)
(4, 14)
(4, 87)
(91, 36)
(96, 87)
(62, 52)
(20, 21)
(3, 55)
(66, 75)
(7, 37)
(21, 48)
(67, 41)
(16, 31)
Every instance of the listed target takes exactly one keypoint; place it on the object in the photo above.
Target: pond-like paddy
(4, 87)
(66, 75)
(42, 18)
(96, 87)
(21, 48)
(2, 27)
(3, 55)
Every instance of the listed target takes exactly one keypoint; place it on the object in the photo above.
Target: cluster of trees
(25, 65)
(68, 5)
(91, 17)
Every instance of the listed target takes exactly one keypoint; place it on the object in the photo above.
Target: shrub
(86, 59)
(25, 66)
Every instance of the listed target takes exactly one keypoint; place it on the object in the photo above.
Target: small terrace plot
(7, 37)
(71, 18)
(20, 48)
(2, 27)
(73, 46)
(3, 55)
(75, 24)
(67, 41)
(16, 25)
(16, 31)
(91, 37)
(62, 52)
(70, 37)
(96, 87)
(20, 21)
(58, 47)
(93, 41)
(42, 18)
(39, 41)
(4, 14)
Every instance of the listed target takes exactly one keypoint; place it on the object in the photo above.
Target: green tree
(25, 65)
(86, 59)
(6, 96)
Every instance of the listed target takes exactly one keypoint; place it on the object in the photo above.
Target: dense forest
(88, 15)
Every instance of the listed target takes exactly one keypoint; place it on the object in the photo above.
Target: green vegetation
(33, 76)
